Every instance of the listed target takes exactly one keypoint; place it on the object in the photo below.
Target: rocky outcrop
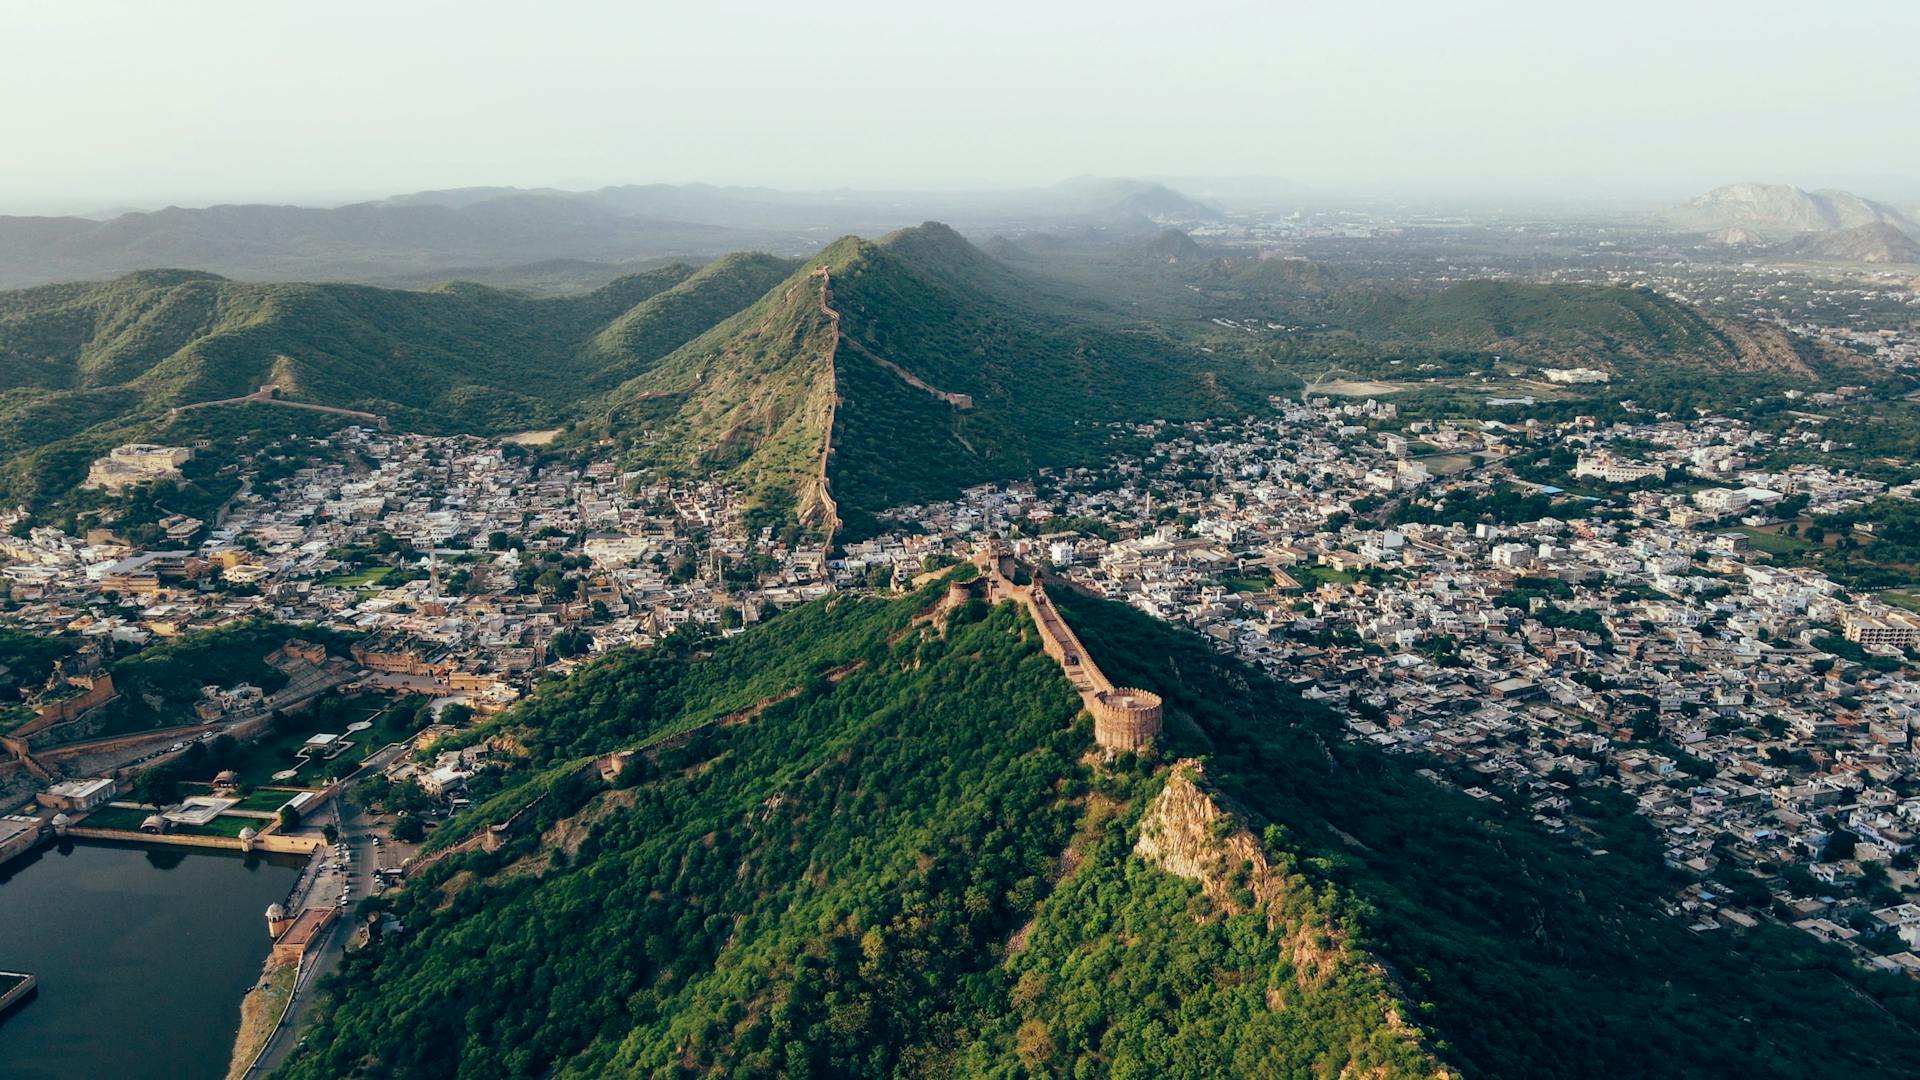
(1188, 833)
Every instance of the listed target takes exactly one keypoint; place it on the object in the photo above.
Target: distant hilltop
(1879, 242)
(1775, 211)
(421, 237)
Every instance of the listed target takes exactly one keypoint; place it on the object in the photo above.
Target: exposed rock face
(1187, 833)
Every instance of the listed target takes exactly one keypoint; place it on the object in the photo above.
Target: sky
(108, 103)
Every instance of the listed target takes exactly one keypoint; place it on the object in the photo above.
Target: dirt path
(269, 395)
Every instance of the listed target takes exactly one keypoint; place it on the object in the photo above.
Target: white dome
(247, 833)
(275, 911)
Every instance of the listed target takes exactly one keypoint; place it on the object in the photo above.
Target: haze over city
(140, 105)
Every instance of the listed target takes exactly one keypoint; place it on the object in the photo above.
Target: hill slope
(859, 843)
(1875, 243)
(948, 368)
(1781, 210)
(1635, 332)
(87, 365)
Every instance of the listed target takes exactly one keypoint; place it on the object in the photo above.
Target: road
(356, 874)
(94, 757)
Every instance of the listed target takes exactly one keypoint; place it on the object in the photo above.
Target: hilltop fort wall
(1124, 718)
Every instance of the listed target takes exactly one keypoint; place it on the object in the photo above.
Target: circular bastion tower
(1125, 718)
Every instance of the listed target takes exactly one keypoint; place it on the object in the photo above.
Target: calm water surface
(143, 955)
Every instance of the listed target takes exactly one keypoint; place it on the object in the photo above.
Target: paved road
(353, 873)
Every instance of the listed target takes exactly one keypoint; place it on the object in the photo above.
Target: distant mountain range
(1776, 211)
(407, 237)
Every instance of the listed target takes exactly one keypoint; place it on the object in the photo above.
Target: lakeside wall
(19, 993)
(273, 842)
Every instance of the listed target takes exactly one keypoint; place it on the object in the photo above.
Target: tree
(1840, 845)
(158, 786)
(409, 830)
(289, 818)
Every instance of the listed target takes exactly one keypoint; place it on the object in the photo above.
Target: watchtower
(1125, 718)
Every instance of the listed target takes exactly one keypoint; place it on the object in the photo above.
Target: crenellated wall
(1124, 718)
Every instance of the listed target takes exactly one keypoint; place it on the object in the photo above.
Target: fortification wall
(266, 841)
(1124, 718)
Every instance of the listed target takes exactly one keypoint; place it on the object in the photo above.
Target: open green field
(1773, 543)
(360, 579)
(115, 817)
(224, 825)
(1312, 577)
(266, 801)
(1906, 598)
(1446, 464)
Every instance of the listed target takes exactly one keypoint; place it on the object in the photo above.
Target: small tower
(277, 921)
(1125, 718)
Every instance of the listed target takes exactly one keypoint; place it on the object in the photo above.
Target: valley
(1373, 668)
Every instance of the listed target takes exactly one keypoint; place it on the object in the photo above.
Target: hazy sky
(106, 103)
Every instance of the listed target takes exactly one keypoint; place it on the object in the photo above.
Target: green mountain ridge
(945, 367)
(868, 840)
(929, 322)
(1622, 329)
(86, 366)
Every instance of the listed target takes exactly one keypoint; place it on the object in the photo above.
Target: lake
(143, 956)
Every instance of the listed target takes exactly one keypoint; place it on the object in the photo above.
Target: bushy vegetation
(1525, 954)
(851, 845)
(27, 659)
(158, 685)
(822, 889)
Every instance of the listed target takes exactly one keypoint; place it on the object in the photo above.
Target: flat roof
(11, 826)
(80, 789)
(307, 926)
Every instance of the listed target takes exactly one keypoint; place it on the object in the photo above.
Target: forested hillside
(950, 369)
(867, 840)
(85, 366)
(1625, 330)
